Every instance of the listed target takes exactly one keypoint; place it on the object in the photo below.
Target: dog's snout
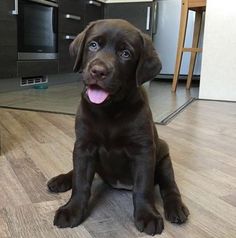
(98, 72)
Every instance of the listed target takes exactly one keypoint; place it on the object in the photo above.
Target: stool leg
(196, 36)
(182, 32)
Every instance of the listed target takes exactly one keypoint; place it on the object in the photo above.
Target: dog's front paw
(68, 216)
(149, 221)
(176, 212)
(59, 184)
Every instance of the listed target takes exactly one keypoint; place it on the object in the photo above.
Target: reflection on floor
(64, 98)
(164, 103)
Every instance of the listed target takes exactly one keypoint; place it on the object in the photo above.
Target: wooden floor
(36, 146)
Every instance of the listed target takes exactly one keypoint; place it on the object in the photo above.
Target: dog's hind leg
(60, 183)
(175, 210)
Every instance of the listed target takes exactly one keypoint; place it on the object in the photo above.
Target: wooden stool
(199, 6)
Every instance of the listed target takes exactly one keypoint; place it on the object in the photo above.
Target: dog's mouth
(96, 94)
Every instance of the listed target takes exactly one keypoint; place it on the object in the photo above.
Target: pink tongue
(97, 95)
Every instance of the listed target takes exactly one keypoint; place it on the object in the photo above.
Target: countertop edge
(123, 1)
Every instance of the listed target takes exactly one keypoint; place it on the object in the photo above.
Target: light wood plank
(36, 222)
(12, 192)
(193, 50)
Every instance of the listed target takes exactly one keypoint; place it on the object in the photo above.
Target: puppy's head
(114, 57)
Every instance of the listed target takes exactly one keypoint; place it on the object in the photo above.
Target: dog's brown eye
(125, 54)
(93, 46)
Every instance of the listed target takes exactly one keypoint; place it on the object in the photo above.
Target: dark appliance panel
(37, 30)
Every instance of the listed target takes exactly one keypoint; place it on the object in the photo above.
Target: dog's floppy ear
(77, 47)
(149, 64)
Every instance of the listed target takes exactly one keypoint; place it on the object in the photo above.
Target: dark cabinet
(94, 11)
(66, 61)
(8, 40)
(74, 15)
(70, 23)
(139, 14)
(36, 67)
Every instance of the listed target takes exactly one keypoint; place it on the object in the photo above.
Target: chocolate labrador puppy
(115, 134)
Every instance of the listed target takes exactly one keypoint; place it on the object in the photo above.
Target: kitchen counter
(123, 1)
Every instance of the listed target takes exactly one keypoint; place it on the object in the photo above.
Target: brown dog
(115, 133)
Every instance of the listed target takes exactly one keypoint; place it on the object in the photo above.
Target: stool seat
(196, 3)
(199, 6)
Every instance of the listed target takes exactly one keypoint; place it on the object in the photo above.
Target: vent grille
(28, 81)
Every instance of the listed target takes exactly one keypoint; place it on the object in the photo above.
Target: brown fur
(118, 139)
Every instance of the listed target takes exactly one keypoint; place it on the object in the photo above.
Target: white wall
(218, 76)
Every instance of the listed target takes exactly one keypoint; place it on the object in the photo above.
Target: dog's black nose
(98, 72)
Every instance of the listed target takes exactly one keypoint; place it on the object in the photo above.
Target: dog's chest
(115, 167)
(114, 159)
